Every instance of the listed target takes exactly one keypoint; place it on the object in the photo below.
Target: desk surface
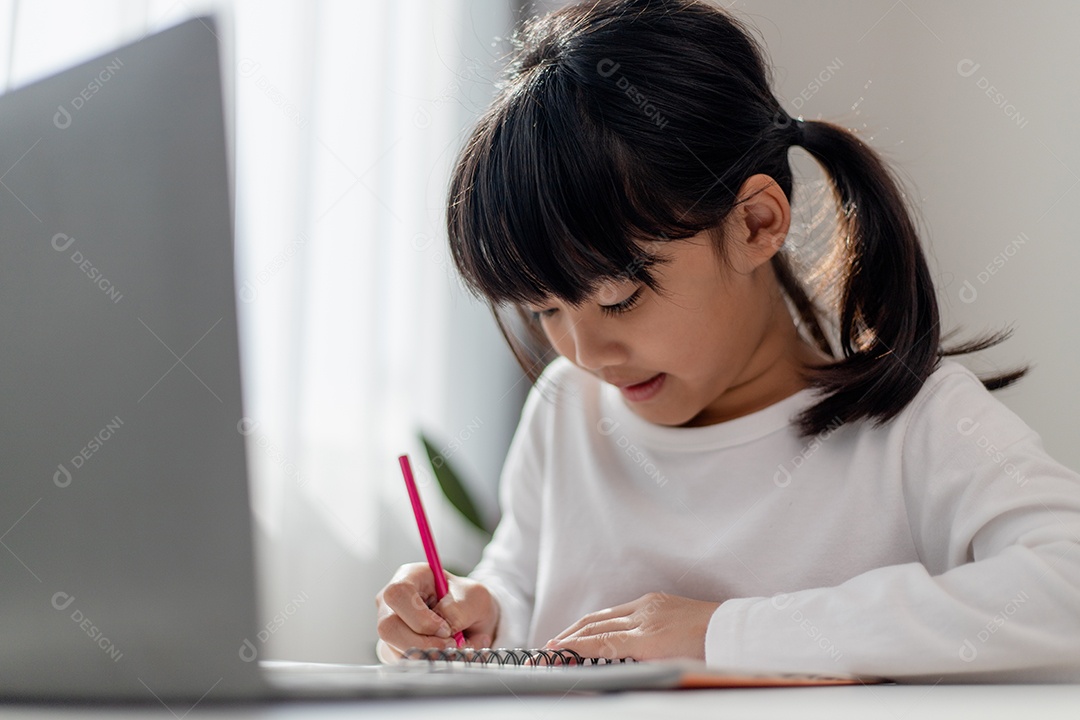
(899, 702)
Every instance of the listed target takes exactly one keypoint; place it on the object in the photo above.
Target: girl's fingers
(469, 608)
(598, 628)
(399, 637)
(604, 639)
(598, 616)
(404, 603)
(404, 600)
(452, 612)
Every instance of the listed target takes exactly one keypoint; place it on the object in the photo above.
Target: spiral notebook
(508, 656)
(434, 671)
(690, 673)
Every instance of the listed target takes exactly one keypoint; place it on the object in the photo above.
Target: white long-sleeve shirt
(943, 545)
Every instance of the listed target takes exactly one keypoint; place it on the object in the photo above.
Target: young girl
(722, 463)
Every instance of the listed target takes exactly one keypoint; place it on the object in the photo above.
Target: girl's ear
(759, 224)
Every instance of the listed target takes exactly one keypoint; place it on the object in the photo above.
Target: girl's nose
(593, 347)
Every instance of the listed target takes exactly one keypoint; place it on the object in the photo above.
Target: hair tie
(798, 134)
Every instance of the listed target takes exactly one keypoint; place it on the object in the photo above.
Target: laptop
(126, 550)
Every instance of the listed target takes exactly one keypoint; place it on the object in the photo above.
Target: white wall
(993, 181)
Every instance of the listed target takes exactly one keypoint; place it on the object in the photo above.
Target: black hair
(638, 120)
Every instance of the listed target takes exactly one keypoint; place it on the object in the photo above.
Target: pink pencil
(426, 538)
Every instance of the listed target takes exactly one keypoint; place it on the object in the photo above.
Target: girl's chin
(666, 413)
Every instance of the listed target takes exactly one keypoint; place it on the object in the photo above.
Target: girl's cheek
(558, 339)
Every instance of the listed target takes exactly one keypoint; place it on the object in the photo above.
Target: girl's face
(715, 343)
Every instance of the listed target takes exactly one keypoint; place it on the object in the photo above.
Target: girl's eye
(537, 314)
(624, 306)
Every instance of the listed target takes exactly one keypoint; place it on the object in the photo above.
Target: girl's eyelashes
(609, 310)
(624, 306)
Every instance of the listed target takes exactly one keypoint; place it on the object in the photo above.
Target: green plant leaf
(452, 487)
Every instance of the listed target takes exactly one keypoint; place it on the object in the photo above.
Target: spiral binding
(509, 656)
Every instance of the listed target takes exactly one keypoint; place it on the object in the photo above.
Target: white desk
(895, 702)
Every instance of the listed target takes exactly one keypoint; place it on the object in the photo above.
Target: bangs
(547, 201)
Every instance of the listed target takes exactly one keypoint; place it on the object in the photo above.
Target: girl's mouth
(643, 391)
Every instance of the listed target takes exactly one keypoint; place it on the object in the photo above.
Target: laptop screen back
(126, 551)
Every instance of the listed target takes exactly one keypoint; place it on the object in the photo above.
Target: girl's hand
(409, 617)
(656, 625)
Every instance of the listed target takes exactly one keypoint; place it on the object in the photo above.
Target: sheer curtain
(355, 334)
(348, 117)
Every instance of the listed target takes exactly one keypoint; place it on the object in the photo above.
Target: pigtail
(888, 325)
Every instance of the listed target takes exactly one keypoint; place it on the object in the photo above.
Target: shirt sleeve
(508, 565)
(996, 594)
